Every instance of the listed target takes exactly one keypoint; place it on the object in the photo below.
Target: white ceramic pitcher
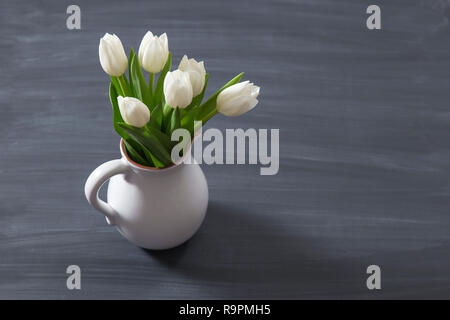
(152, 208)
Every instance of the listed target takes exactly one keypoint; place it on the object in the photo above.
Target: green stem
(124, 85)
(167, 114)
(209, 116)
(151, 82)
(166, 110)
(151, 95)
(116, 84)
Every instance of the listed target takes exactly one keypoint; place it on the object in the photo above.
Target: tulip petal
(238, 106)
(112, 55)
(237, 99)
(153, 52)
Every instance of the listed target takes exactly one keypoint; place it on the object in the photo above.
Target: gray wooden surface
(364, 125)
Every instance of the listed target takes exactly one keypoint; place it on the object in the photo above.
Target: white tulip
(112, 55)
(177, 89)
(196, 72)
(153, 52)
(238, 99)
(133, 111)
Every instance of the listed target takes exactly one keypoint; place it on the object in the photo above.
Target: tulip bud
(133, 111)
(177, 89)
(153, 52)
(112, 55)
(237, 99)
(196, 72)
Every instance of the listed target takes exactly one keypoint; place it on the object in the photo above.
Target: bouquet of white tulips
(146, 113)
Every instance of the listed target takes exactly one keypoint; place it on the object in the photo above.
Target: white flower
(112, 55)
(153, 52)
(196, 72)
(133, 111)
(237, 99)
(177, 89)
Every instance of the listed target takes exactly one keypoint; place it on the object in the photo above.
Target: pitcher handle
(96, 179)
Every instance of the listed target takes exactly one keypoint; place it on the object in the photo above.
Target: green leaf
(167, 110)
(161, 136)
(210, 104)
(167, 114)
(130, 59)
(135, 155)
(151, 83)
(174, 121)
(160, 83)
(150, 141)
(139, 85)
(117, 117)
(150, 157)
(147, 158)
(187, 121)
(156, 117)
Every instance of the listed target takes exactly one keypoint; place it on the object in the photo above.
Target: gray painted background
(364, 124)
